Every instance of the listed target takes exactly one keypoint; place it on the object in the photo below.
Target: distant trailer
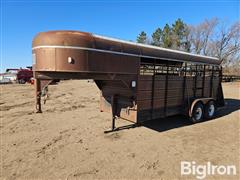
(138, 82)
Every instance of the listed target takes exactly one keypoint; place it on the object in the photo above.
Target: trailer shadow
(179, 121)
(168, 123)
(231, 105)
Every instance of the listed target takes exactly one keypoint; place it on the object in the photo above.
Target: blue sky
(22, 20)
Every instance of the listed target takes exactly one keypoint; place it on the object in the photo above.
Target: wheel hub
(211, 110)
(198, 114)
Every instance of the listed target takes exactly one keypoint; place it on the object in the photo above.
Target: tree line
(212, 37)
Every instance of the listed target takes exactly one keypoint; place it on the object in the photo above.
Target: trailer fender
(202, 100)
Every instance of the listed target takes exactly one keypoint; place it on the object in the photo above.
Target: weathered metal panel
(45, 60)
(112, 63)
(130, 49)
(152, 105)
(79, 60)
(147, 114)
(125, 108)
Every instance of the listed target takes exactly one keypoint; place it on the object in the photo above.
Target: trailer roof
(93, 42)
(154, 47)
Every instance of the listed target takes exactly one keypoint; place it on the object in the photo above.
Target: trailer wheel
(209, 110)
(197, 113)
(22, 81)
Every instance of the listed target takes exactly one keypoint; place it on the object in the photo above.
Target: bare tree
(215, 38)
(201, 35)
(208, 30)
(195, 39)
(228, 43)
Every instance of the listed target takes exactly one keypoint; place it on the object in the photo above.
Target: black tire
(22, 81)
(197, 113)
(209, 110)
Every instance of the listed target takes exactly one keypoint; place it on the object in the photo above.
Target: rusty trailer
(138, 82)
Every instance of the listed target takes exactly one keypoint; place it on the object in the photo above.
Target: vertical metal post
(211, 82)
(220, 74)
(38, 96)
(184, 82)
(203, 80)
(114, 109)
(153, 87)
(220, 97)
(195, 82)
(166, 92)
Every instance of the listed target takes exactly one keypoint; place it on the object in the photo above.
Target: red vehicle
(22, 75)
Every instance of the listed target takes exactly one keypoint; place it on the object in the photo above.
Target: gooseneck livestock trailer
(138, 82)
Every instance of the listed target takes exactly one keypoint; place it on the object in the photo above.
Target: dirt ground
(67, 140)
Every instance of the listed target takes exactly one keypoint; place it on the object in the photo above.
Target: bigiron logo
(201, 171)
